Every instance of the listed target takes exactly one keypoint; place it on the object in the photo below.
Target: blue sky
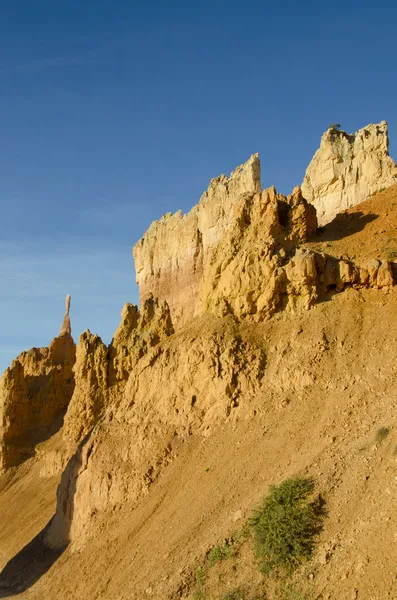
(113, 113)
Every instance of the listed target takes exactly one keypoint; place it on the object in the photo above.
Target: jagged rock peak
(169, 257)
(66, 326)
(101, 371)
(187, 261)
(347, 168)
(34, 392)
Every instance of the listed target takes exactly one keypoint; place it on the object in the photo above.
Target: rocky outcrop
(238, 251)
(138, 332)
(188, 384)
(170, 258)
(250, 273)
(101, 371)
(347, 168)
(227, 254)
(34, 392)
(199, 378)
(172, 370)
(91, 391)
(66, 326)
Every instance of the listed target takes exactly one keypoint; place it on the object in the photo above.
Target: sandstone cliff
(138, 401)
(34, 391)
(347, 168)
(240, 252)
(227, 254)
(101, 372)
(170, 258)
(203, 356)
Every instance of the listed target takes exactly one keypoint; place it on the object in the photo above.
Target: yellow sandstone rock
(347, 168)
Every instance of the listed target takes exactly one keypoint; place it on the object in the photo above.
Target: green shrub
(218, 553)
(214, 555)
(285, 525)
(228, 551)
(200, 576)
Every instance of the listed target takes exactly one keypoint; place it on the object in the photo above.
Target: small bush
(214, 555)
(200, 576)
(218, 553)
(236, 594)
(228, 551)
(285, 525)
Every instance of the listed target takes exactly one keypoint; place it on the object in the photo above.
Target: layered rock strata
(171, 256)
(347, 168)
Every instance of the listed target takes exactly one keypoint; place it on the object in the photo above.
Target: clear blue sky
(114, 112)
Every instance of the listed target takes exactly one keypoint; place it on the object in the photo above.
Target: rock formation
(249, 273)
(232, 244)
(203, 352)
(187, 384)
(66, 326)
(170, 258)
(241, 255)
(152, 388)
(90, 395)
(101, 372)
(34, 391)
(347, 168)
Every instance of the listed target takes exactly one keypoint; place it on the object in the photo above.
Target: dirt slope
(330, 384)
(367, 229)
(334, 378)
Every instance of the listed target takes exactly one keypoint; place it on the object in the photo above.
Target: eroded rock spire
(66, 326)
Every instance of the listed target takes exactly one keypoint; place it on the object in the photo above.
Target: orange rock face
(34, 391)
(101, 372)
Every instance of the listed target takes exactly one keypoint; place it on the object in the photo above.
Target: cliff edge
(347, 168)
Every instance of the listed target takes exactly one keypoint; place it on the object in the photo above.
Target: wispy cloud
(78, 58)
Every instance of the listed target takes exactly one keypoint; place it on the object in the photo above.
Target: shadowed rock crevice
(344, 225)
(31, 563)
(28, 566)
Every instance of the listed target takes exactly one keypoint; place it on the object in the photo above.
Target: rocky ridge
(347, 168)
(101, 371)
(259, 266)
(170, 258)
(192, 359)
(35, 391)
